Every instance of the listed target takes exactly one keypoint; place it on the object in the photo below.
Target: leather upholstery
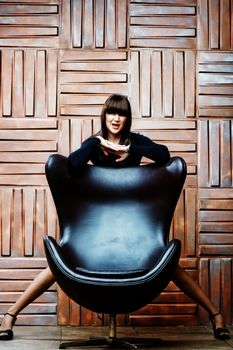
(114, 255)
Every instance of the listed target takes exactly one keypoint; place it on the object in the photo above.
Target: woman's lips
(115, 126)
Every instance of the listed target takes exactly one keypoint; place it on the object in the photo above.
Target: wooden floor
(182, 338)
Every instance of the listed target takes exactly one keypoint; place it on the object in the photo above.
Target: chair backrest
(114, 219)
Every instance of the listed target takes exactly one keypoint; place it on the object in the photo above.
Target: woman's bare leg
(185, 282)
(38, 286)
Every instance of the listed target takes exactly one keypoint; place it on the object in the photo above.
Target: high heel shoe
(219, 333)
(7, 334)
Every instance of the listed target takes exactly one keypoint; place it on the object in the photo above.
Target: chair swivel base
(120, 343)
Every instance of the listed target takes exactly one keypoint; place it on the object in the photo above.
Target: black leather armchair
(114, 255)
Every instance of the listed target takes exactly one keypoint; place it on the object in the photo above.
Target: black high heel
(219, 333)
(7, 334)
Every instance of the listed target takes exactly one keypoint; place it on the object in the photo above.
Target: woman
(116, 146)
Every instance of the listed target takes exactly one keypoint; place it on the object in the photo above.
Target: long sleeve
(82, 155)
(144, 147)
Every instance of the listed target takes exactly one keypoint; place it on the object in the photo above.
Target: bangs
(118, 105)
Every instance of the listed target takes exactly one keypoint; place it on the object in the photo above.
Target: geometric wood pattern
(25, 145)
(169, 79)
(216, 159)
(216, 281)
(28, 83)
(16, 273)
(27, 214)
(215, 80)
(100, 24)
(215, 25)
(87, 78)
(60, 60)
(23, 20)
(180, 136)
(170, 24)
(216, 222)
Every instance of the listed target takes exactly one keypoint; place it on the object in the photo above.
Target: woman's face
(115, 123)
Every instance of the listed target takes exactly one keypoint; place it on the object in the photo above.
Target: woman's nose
(116, 117)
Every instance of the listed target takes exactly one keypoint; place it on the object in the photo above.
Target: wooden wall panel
(216, 222)
(215, 80)
(87, 79)
(215, 25)
(26, 215)
(215, 160)
(179, 136)
(216, 281)
(28, 83)
(170, 24)
(100, 24)
(73, 132)
(27, 23)
(24, 147)
(169, 79)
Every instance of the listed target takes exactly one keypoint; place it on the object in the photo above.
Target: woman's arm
(82, 155)
(145, 147)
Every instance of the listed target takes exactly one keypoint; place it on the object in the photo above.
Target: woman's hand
(110, 147)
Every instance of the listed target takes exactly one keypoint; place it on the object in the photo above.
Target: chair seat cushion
(112, 273)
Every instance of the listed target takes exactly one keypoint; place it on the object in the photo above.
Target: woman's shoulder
(91, 140)
(138, 138)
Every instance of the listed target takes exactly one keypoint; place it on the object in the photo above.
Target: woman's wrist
(127, 148)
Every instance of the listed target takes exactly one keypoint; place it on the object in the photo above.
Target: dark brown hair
(117, 104)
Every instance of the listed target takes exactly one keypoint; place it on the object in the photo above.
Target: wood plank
(190, 221)
(18, 146)
(164, 309)
(168, 83)
(156, 83)
(46, 297)
(28, 220)
(48, 135)
(142, 10)
(40, 85)
(17, 94)
(145, 82)
(164, 42)
(6, 205)
(214, 156)
(214, 23)
(190, 68)
(216, 227)
(19, 123)
(179, 85)
(216, 193)
(122, 23)
(220, 204)
(215, 238)
(23, 262)
(148, 124)
(146, 31)
(110, 18)
(216, 250)
(134, 85)
(23, 180)
(22, 157)
(29, 79)
(225, 149)
(16, 222)
(89, 55)
(7, 65)
(216, 215)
